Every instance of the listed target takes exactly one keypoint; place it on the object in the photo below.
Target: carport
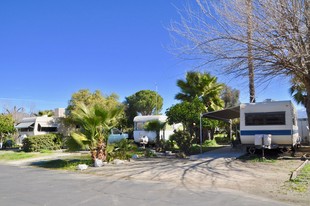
(226, 115)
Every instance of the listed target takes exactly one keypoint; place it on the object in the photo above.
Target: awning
(224, 115)
(24, 125)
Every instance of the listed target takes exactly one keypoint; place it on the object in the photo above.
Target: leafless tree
(18, 113)
(216, 33)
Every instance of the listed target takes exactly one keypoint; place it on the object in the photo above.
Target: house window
(27, 129)
(267, 118)
(46, 129)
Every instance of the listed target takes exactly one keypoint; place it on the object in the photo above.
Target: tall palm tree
(95, 122)
(202, 86)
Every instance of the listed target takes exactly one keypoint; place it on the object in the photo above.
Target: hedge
(42, 142)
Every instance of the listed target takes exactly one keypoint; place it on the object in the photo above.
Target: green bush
(222, 139)
(42, 142)
(71, 145)
(9, 142)
(210, 143)
(120, 150)
(183, 140)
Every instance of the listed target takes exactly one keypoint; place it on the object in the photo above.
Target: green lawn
(302, 182)
(69, 163)
(9, 156)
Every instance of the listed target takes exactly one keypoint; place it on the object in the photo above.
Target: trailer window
(267, 118)
(139, 126)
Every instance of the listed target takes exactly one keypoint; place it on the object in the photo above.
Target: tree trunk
(99, 152)
(250, 48)
(307, 104)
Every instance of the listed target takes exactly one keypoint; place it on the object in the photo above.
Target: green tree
(230, 96)
(49, 113)
(186, 113)
(6, 126)
(145, 102)
(155, 126)
(202, 86)
(95, 123)
(84, 96)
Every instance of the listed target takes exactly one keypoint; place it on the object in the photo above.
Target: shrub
(71, 145)
(183, 140)
(42, 142)
(121, 150)
(9, 142)
(210, 143)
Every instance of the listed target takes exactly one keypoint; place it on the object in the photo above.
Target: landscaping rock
(82, 167)
(118, 162)
(98, 163)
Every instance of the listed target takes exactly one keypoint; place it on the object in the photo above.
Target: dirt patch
(266, 179)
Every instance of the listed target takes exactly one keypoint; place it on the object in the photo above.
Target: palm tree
(156, 126)
(202, 86)
(298, 92)
(95, 122)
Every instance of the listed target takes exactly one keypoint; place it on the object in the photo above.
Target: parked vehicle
(269, 124)
(140, 133)
(116, 136)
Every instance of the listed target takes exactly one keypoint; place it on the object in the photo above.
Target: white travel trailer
(303, 129)
(140, 132)
(37, 125)
(272, 124)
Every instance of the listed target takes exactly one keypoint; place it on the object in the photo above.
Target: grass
(67, 163)
(195, 148)
(257, 158)
(9, 156)
(302, 182)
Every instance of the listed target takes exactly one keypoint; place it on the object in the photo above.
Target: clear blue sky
(50, 49)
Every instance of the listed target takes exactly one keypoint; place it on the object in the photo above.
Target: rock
(118, 162)
(82, 167)
(135, 156)
(98, 163)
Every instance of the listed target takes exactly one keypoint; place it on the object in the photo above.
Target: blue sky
(52, 48)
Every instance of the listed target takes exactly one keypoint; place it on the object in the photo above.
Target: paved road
(32, 186)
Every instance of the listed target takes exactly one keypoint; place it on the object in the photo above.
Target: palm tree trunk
(249, 5)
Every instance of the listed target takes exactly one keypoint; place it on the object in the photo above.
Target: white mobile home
(140, 123)
(272, 121)
(37, 125)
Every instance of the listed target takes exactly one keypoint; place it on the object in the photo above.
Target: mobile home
(32, 126)
(140, 132)
(272, 124)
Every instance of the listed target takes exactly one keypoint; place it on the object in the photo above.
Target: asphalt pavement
(34, 186)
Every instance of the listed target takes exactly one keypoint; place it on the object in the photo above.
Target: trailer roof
(225, 114)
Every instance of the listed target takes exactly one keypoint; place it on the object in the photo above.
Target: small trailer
(140, 133)
(269, 124)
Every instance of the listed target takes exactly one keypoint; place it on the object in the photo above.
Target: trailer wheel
(251, 150)
(284, 149)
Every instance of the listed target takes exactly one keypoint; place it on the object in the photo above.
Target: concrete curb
(295, 172)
